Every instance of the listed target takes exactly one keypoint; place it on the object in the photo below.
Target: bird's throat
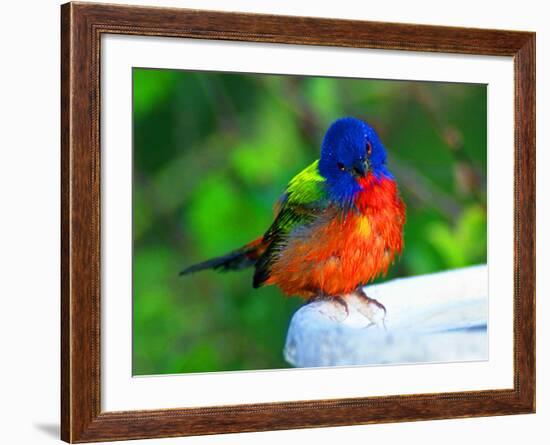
(376, 192)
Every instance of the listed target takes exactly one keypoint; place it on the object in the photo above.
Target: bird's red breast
(339, 252)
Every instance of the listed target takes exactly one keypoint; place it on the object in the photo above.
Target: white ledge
(430, 318)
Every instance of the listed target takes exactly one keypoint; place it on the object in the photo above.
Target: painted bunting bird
(338, 225)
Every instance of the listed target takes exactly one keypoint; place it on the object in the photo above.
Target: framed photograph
(274, 222)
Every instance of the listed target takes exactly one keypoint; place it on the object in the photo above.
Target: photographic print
(295, 221)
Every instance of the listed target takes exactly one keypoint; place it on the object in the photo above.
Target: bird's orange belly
(336, 257)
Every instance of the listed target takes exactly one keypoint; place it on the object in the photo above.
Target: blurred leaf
(466, 243)
(151, 87)
(323, 92)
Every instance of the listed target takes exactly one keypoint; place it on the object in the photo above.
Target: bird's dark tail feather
(237, 259)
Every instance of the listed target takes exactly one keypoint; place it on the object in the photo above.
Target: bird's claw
(372, 309)
(339, 308)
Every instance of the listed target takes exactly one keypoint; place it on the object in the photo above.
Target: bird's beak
(361, 169)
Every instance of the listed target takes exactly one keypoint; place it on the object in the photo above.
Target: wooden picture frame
(82, 25)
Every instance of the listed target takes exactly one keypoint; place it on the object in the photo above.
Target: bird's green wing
(307, 187)
(302, 202)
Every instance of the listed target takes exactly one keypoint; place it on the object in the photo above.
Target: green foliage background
(212, 153)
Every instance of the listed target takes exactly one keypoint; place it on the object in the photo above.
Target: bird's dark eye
(369, 148)
(341, 166)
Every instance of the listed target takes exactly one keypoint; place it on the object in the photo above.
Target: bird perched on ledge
(338, 225)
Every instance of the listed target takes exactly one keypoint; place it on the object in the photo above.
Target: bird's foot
(338, 309)
(371, 309)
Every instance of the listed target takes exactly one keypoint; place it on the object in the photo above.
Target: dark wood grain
(81, 28)
(65, 216)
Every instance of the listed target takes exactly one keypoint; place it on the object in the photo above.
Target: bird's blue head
(351, 150)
